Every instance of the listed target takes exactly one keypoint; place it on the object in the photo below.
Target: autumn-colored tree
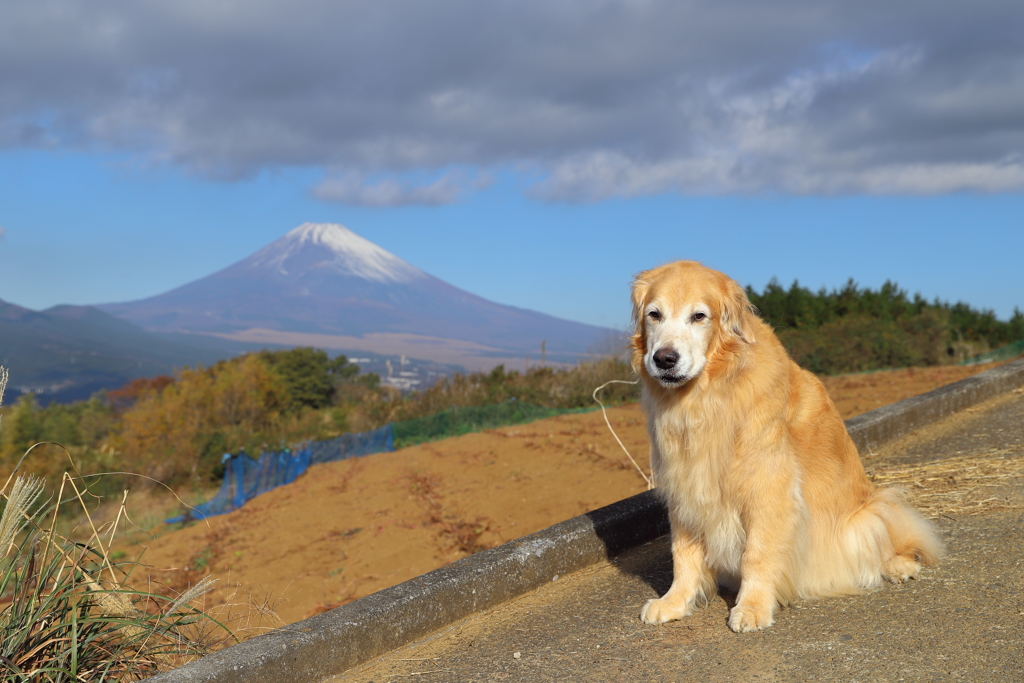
(126, 396)
(184, 429)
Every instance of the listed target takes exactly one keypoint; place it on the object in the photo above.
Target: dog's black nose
(666, 358)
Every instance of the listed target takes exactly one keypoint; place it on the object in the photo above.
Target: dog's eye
(697, 317)
(654, 315)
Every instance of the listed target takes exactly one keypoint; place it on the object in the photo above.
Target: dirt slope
(347, 529)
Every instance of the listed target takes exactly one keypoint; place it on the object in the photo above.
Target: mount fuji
(323, 285)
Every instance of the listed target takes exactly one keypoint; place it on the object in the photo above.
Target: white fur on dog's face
(678, 336)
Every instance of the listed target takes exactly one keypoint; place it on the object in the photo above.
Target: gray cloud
(597, 98)
(354, 189)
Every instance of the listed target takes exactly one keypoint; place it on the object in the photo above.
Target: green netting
(1011, 350)
(467, 419)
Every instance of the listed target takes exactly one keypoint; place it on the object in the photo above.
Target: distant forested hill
(66, 353)
(853, 329)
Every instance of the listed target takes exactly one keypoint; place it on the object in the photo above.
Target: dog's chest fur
(692, 474)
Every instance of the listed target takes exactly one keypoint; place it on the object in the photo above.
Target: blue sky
(539, 157)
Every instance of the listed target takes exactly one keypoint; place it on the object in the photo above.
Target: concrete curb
(331, 643)
(893, 421)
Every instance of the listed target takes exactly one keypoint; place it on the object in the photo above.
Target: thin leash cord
(612, 429)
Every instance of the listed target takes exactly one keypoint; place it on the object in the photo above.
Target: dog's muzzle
(665, 359)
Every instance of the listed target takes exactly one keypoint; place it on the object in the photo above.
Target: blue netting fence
(246, 477)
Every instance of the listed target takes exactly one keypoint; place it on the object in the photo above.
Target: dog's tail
(885, 539)
(911, 535)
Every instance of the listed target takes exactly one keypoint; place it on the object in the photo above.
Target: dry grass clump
(967, 485)
(66, 610)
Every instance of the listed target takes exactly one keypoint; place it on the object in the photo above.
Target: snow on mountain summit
(337, 247)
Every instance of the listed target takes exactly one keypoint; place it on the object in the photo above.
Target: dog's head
(685, 317)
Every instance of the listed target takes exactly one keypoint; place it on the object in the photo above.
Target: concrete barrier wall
(890, 422)
(330, 643)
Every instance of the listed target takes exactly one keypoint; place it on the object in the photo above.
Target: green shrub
(859, 343)
(466, 419)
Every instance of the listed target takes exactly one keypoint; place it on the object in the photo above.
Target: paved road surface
(961, 621)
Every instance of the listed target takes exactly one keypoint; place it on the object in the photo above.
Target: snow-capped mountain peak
(322, 285)
(346, 253)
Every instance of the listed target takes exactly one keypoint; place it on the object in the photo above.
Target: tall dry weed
(66, 610)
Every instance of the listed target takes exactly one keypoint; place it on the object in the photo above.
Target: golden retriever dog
(765, 489)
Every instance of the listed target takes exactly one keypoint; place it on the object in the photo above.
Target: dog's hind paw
(901, 568)
(746, 618)
(660, 610)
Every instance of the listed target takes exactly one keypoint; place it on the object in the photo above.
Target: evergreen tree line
(852, 329)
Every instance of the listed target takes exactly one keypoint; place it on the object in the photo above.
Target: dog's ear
(640, 286)
(737, 313)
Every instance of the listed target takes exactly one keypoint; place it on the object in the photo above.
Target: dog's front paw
(746, 618)
(660, 610)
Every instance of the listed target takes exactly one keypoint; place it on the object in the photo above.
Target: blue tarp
(246, 477)
(353, 445)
